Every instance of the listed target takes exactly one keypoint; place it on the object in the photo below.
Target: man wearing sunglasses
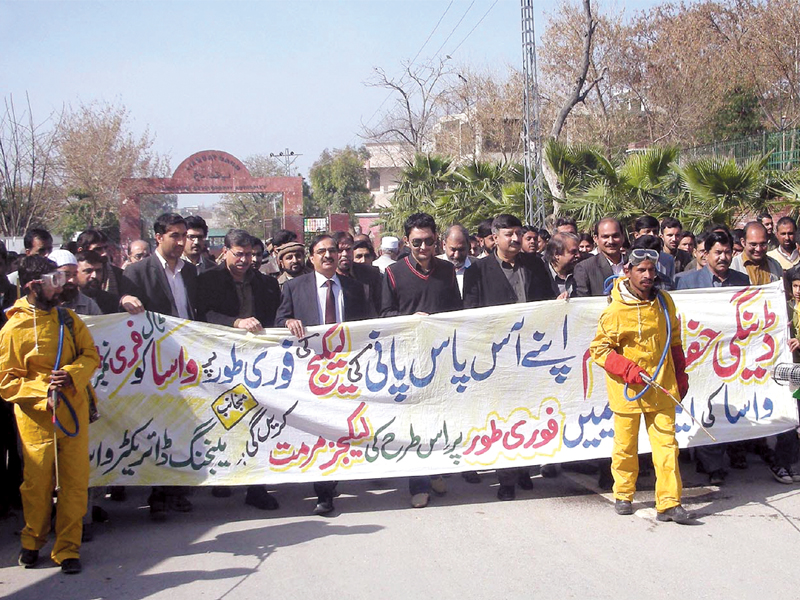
(420, 284)
(30, 379)
(630, 342)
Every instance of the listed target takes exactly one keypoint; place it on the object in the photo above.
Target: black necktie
(330, 304)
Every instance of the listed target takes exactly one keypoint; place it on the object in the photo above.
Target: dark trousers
(325, 490)
(510, 477)
(10, 461)
(419, 485)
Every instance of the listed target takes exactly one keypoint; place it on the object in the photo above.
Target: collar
(164, 264)
(418, 267)
(321, 279)
(748, 261)
(790, 257)
(507, 265)
(555, 274)
(614, 264)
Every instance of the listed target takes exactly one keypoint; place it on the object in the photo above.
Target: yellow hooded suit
(631, 335)
(28, 348)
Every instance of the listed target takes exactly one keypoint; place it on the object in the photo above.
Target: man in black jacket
(322, 298)
(237, 296)
(420, 284)
(507, 276)
(592, 273)
(166, 284)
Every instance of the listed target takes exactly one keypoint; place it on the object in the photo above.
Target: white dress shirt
(176, 285)
(322, 296)
(459, 271)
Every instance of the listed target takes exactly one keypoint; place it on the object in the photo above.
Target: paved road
(562, 540)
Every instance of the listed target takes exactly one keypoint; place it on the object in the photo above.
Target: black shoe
(549, 471)
(506, 492)
(605, 482)
(158, 506)
(219, 491)
(324, 506)
(118, 493)
(524, 481)
(87, 533)
(28, 558)
(179, 503)
(99, 514)
(71, 566)
(623, 507)
(471, 477)
(678, 514)
(259, 497)
(716, 477)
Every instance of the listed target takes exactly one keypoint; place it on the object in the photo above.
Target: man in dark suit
(322, 298)
(366, 275)
(590, 280)
(166, 284)
(717, 273)
(507, 276)
(235, 295)
(592, 273)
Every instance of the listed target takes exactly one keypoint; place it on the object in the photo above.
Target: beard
(43, 302)
(69, 293)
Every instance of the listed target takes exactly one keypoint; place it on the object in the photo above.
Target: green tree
(260, 214)
(339, 181)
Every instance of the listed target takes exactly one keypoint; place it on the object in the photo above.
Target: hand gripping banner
(185, 403)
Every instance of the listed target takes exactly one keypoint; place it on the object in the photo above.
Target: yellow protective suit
(28, 348)
(637, 330)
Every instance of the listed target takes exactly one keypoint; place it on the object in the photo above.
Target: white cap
(62, 257)
(390, 243)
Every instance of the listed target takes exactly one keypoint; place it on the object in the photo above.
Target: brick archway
(209, 172)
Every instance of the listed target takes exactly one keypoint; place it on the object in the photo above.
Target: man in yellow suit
(30, 379)
(639, 333)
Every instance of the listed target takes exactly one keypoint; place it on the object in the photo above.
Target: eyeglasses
(54, 279)
(324, 251)
(241, 255)
(638, 255)
(417, 242)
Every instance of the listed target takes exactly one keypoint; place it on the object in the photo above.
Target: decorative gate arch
(209, 172)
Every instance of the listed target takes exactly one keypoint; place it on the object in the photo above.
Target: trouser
(419, 485)
(625, 459)
(711, 457)
(38, 454)
(10, 464)
(787, 448)
(510, 476)
(325, 490)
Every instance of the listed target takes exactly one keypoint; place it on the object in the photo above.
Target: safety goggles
(54, 279)
(638, 255)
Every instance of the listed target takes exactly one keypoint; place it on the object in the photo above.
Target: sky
(245, 77)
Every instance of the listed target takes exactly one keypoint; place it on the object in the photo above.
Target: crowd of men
(340, 277)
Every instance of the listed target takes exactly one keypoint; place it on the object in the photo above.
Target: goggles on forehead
(54, 279)
(638, 255)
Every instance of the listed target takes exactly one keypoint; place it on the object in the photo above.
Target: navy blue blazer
(299, 301)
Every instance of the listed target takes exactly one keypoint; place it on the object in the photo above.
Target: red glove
(616, 364)
(679, 360)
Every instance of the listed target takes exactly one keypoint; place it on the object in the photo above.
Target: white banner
(186, 403)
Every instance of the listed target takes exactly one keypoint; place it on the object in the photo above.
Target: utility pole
(531, 134)
(287, 157)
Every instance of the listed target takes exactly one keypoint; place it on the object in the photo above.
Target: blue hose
(608, 284)
(61, 397)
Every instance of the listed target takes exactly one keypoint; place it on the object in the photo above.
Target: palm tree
(717, 190)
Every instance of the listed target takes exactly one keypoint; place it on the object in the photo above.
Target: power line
(453, 51)
(435, 54)
(430, 35)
